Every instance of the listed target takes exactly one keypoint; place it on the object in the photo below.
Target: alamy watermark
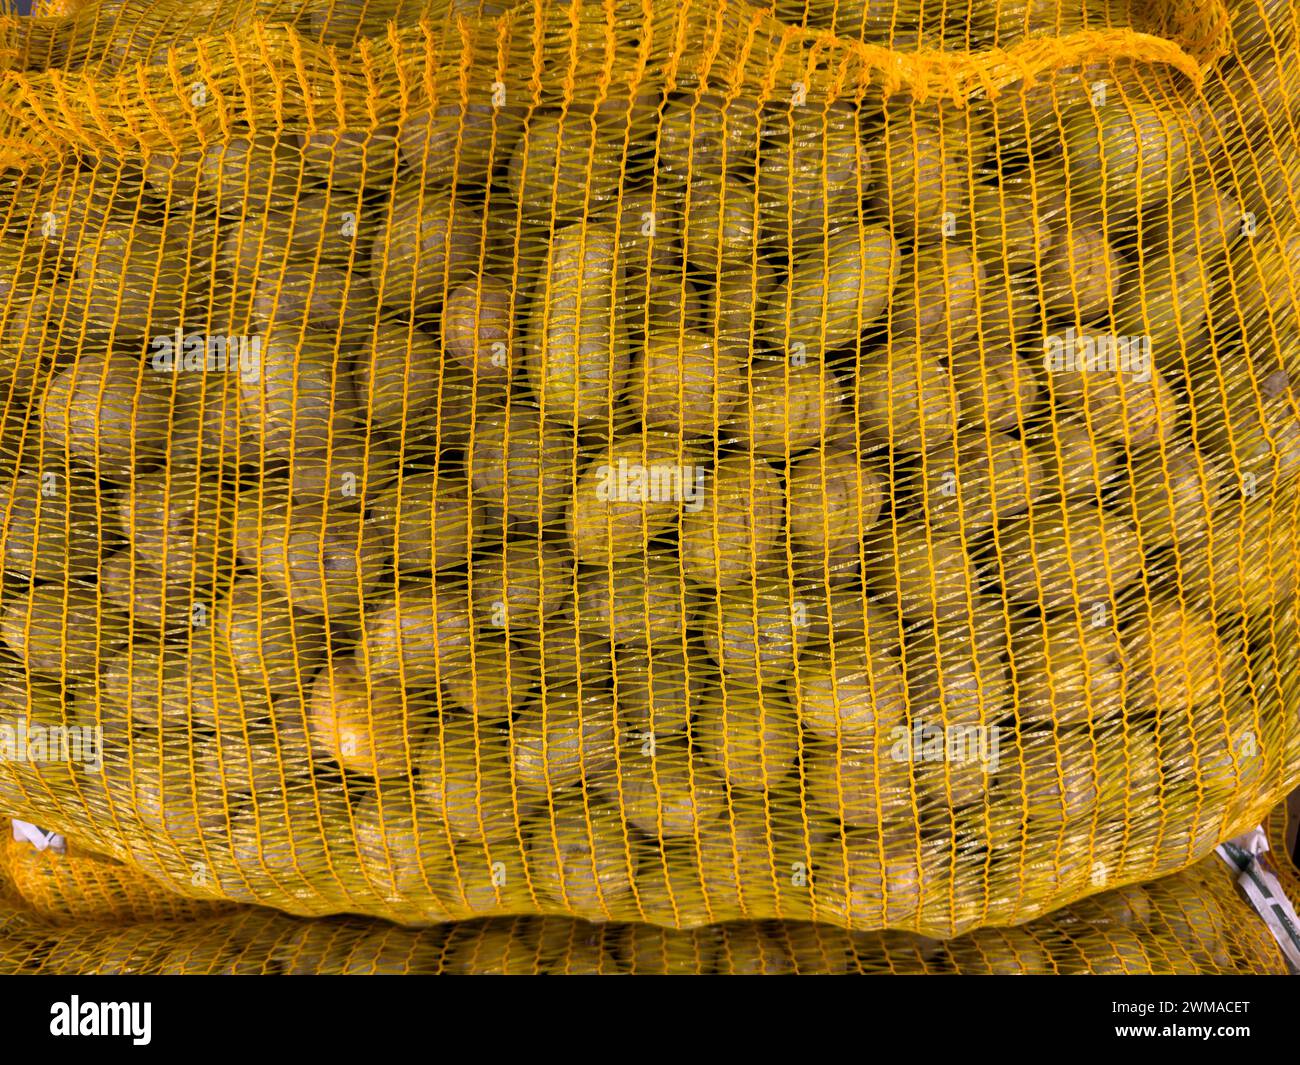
(34, 743)
(1098, 353)
(181, 352)
(960, 744)
(658, 482)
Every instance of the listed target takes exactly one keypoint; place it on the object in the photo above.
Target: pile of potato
(600, 509)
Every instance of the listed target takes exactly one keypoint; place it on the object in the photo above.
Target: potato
(982, 479)
(1126, 153)
(1080, 561)
(246, 175)
(921, 177)
(566, 165)
(111, 412)
(1073, 463)
(272, 646)
(576, 356)
(791, 409)
(301, 387)
(723, 230)
(428, 518)
(287, 244)
(418, 633)
(751, 736)
(857, 696)
(1001, 952)
(1081, 274)
(1134, 406)
(398, 375)
(582, 859)
(685, 383)
(1008, 235)
(667, 794)
(400, 851)
(736, 532)
(53, 524)
(71, 211)
(1248, 424)
(321, 562)
(835, 292)
(517, 586)
(1169, 496)
(906, 398)
(424, 245)
(1173, 657)
(956, 672)
(657, 690)
(565, 738)
(362, 721)
(855, 884)
(64, 631)
(178, 524)
(465, 780)
(350, 160)
(834, 500)
(1166, 299)
(315, 296)
(628, 494)
(754, 631)
(995, 387)
(148, 599)
(921, 574)
(476, 326)
(703, 134)
(635, 603)
(1247, 565)
(860, 787)
(458, 142)
(1067, 671)
(355, 465)
(571, 656)
(491, 683)
(936, 302)
(1199, 219)
(152, 685)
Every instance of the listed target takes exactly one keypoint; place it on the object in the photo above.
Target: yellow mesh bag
(1189, 923)
(80, 886)
(654, 462)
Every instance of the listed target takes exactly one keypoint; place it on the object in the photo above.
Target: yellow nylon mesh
(1189, 923)
(684, 466)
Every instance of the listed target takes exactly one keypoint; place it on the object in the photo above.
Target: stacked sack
(649, 463)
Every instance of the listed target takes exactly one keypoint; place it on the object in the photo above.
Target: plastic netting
(651, 462)
(1189, 923)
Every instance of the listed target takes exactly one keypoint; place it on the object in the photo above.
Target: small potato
(416, 634)
(906, 399)
(667, 794)
(491, 683)
(705, 134)
(1079, 561)
(791, 409)
(754, 632)
(685, 383)
(52, 525)
(1135, 407)
(751, 736)
(350, 161)
(1199, 219)
(476, 325)
(272, 646)
(319, 297)
(321, 562)
(246, 175)
(982, 479)
(423, 246)
(723, 230)
(1008, 236)
(1081, 274)
(302, 385)
(363, 722)
(1067, 671)
(736, 531)
(1127, 154)
(518, 586)
(995, 387)
(63, 631)
(635, 603)
(1049, 779)
(834, 500)
(956, 671)
(179, 525)
(835, 292)
(466, 780)
(564, 738)
(566, 165)
(936, 303)
(401, 852)
(1170, 497)
(577, 357)
(458, 142)
(853, 882)
(921, 178)
(581, 859)
(147, 599)
(921, 574)
(1073, 462)
(862, 786)
(629, 494)
(859, 698)
(657, 691)
(429, 519)
(398, 375)
(1173, 657)
(111, 412)
(356, 465)
(1166, 299)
